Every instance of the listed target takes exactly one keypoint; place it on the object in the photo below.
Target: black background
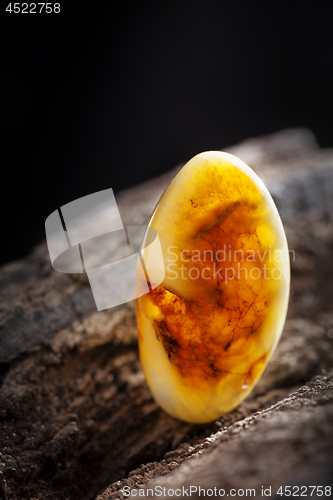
(111, 94)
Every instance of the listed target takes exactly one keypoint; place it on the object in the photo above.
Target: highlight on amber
(207, 331)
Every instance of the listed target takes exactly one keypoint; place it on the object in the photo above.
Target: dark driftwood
(77, 419)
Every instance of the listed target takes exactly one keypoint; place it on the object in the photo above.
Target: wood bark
(77, 418)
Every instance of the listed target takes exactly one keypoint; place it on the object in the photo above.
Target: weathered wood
(76, 414)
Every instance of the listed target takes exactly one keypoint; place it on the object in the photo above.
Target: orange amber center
(228, 303)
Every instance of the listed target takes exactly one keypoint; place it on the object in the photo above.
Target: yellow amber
(208, 330)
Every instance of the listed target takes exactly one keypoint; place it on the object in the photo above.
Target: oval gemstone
(207, 331)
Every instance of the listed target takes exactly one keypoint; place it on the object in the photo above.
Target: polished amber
(207, 331)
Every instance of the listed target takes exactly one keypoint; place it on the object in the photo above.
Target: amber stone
(207, 331)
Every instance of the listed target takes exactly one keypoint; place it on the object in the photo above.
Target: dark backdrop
(112, 94)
